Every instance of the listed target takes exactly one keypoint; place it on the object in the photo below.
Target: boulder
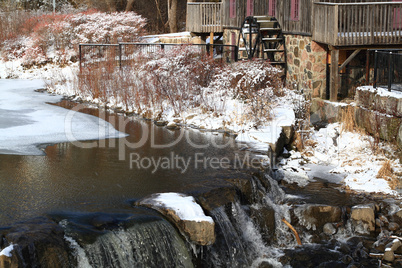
(185, 214)
(39, 242)
(171, 125)
(329, 229)
(264, 218)
(393, 226)
(8, 262)
(315, 216)
(389, 256)
(363, 218)
(160, 123)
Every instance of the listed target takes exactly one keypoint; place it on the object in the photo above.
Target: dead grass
(348, 120)
(386, 172)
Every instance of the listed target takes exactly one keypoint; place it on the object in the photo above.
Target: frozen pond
(26, 120)
(95, 175)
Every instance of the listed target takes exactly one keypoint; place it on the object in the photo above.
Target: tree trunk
(130, 5)
(172, 15)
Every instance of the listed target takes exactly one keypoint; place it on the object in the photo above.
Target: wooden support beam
(367, 66)
(334, 75)
(349, 59)
(211, 41)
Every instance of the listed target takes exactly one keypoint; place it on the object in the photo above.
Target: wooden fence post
(334, 73)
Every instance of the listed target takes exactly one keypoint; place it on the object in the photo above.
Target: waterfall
(248, 233)
(145, 244)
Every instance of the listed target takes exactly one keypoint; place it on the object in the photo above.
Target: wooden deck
(334, 23)
(204, 17)
(358, 24)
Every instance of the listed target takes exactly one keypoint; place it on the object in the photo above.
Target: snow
(184, 206)
(347, 156)
(382, 91)
(27, 120)
(7, 251)
(261, 138)
(156, 37)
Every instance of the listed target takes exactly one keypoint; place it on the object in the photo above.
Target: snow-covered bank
(26, 120)
(351, 156)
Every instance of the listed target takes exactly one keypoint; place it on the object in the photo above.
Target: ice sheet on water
(27, 120)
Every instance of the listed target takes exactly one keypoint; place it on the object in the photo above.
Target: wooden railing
(204, 17)
(351, 24)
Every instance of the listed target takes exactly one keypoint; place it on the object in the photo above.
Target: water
(96, 179)
(88, 189)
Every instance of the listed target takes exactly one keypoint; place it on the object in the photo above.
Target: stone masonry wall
(306, 62)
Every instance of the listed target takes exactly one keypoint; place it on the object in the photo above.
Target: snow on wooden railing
(204, 17)
(349, 24)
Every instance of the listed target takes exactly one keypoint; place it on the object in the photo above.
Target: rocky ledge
(185, 214)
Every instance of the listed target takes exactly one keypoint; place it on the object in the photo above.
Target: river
(69, 182)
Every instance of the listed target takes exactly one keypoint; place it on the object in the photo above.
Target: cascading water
(150, 243)
(240, 240)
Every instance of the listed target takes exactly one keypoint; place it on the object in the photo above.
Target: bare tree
(172, 15)
(130, 5)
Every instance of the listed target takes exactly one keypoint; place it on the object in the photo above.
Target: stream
(72, 203)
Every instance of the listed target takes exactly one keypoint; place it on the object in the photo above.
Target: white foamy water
(27, 120)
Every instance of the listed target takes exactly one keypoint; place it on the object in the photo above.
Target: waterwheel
(262, 37)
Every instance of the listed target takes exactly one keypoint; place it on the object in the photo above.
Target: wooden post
(367, 66)
(80, 52)
(390, 70)
(334, 73)
(375, 68)
(211, 41)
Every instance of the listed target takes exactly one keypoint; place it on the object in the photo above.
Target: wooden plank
(349, 59)
(370, 16)
(335, 25)
(334, 73)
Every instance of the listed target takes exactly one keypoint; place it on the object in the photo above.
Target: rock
(397, 217)
(400, 137)
(7, 262)
(103, 221)
(393, 226)
(171, 125)
(329, 229)
(213, 194)
(160, 123)
(185, 214)
(39, 242)
(315, 216)
(264, 217)
(177, 120)
(347, 259)
(389, 255)
(363, 219)
(191, 116)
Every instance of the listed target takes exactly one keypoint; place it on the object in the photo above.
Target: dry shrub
(298, 141)
(179, 79)
(150, 83)
(386, 172)
(55, 37)
(348, 119)
(258, 85)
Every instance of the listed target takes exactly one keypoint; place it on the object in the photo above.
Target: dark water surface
(75, 179)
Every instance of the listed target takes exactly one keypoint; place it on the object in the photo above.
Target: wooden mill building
(315, 40)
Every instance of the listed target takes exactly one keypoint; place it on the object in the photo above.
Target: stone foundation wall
(378, 114)
(306, 62)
